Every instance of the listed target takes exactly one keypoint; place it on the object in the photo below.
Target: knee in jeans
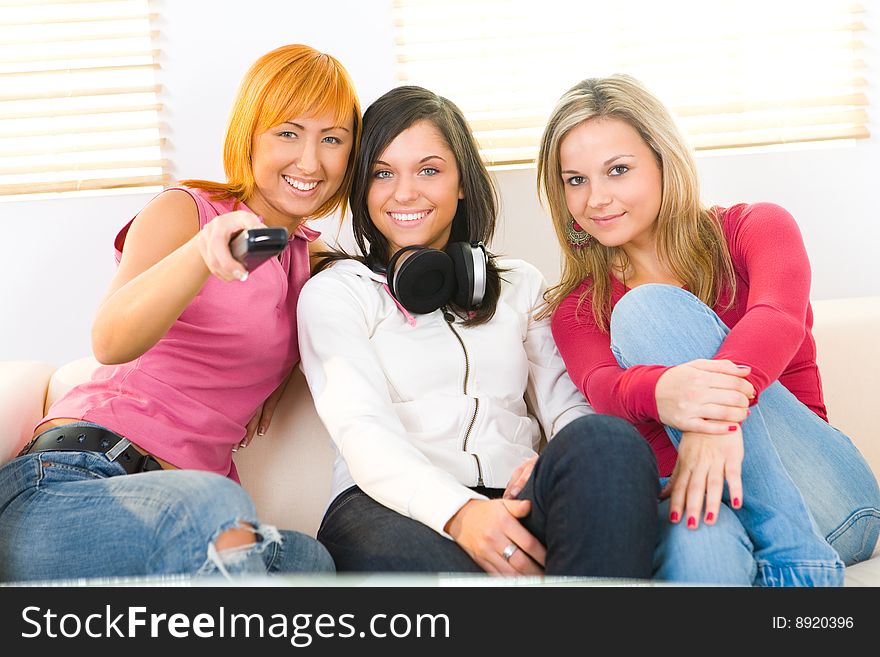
(210, 498)
(235, 537)
(634, 447)
(596, 434)
(240, 535)
(238, 547)
(640, 302)
(230, 511)
(217, 508)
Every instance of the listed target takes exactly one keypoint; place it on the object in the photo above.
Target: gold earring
(577, 236)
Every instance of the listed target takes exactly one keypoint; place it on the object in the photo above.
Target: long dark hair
(474, 221)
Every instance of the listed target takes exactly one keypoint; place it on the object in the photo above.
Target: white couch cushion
(22, 391)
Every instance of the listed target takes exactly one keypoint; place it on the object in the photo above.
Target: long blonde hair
(290, 81)
(690, 240)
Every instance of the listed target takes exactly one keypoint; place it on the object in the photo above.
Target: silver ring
(509, 551)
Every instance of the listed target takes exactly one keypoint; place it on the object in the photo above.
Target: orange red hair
(290, 81)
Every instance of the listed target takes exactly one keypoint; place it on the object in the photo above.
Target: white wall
(53, 284)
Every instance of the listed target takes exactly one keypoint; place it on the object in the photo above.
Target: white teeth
(408, 216)
(301, 186)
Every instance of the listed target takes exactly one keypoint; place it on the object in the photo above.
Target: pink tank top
(187, 400)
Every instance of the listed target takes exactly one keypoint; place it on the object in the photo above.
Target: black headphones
(424, 279)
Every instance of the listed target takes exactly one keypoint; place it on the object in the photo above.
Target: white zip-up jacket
(420, 407)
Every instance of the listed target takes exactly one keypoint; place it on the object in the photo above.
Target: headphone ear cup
(392, 269)
(470, 274)
(422, 281)
(464, 273)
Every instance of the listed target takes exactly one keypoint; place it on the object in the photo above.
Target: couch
(287, 471)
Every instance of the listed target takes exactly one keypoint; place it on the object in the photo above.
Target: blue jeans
(594, 506)
(67, 515)
(810, 501)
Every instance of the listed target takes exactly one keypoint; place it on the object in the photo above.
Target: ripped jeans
(68, 515)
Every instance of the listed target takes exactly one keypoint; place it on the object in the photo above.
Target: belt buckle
(113, 453)
(27, 448)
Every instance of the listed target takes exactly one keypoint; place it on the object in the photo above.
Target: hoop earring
(577, 236)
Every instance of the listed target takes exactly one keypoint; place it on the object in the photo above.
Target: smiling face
(612, 182)
(298, 166)
(414, 189)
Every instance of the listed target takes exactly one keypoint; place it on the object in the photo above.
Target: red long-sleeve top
(770, 324)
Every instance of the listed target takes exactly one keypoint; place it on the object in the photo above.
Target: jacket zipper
(450, 319)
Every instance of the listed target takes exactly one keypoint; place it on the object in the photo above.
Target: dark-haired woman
(422, 356)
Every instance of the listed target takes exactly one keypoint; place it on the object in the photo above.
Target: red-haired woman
(138, 461)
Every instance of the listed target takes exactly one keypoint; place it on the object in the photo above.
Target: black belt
(71, 438)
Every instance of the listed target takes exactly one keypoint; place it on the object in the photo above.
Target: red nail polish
(710, 517)
(732, 427)
(748, 412)
(735, 502)
(692, 522)
(673, 517)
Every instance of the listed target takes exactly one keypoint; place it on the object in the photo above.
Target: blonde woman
(132, 473)
(693, 323)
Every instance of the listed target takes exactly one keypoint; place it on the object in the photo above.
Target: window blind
(79, 103)
(735, 73)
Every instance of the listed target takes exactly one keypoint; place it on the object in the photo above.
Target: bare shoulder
(174, 211)
(166, 223)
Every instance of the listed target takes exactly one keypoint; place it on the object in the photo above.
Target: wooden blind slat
(80, 111)
(76, 71)
(84, 148)
(85, 185)
(66, 20)
(153, 35)
(79, 93)
(83, 166)
(79, 130)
